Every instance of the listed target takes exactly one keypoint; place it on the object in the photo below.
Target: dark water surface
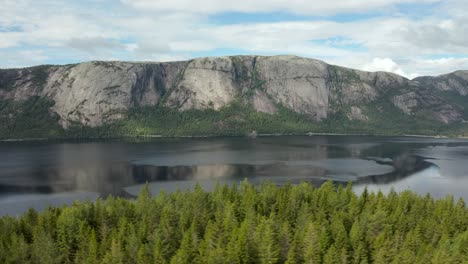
(39, 174)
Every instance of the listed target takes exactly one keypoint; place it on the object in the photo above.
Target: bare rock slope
(95, 93)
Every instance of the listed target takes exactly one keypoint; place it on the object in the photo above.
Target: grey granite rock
(95, 93)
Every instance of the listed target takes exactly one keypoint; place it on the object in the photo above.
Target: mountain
(226, 95)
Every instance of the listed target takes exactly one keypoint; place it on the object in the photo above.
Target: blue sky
(408, 37)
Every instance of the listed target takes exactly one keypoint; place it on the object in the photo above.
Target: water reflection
(403, 165)
(120, 168)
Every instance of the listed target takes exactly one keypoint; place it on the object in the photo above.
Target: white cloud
(181, 29)
(411, 68)
(168, 57)
(316, 7)
(439, 66)
(384, 64)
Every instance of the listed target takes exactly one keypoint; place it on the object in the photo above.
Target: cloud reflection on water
(118, 168)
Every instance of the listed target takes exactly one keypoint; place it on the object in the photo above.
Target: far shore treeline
(32, 119)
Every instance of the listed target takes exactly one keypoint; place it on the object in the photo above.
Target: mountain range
(226, 96)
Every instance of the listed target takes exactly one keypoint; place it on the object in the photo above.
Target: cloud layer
(319, 7)
(408, 37)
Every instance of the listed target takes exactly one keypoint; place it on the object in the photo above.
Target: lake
(43, 173)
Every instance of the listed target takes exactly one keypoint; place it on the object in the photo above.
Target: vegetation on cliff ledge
(244, 224)
(238, 120)
(28, 119)
(34, 119)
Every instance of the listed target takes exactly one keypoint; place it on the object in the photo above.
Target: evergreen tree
(114, 255)
(43, 249)
(312, 246)
(266, 240)
(332, 256)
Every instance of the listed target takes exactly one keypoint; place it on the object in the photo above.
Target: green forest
(33, 119)
(244, 224)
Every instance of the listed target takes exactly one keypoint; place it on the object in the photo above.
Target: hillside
(226, 96)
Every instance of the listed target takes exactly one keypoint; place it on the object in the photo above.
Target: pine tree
(43, 249)
(187, 250)
(312, 250)
(93, 246)
(233, 251)
(18, 250)
(68, 227)
(158, 252)
(295, 252)
(268, 251)
(115, 254)
(284, 241)
(332, 256)
(248, 249)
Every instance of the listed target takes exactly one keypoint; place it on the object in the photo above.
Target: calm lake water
(39, 174)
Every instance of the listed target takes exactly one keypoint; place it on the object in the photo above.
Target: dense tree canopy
(34, 119)
(244, 224)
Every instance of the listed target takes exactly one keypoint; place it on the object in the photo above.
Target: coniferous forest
(244, 224)
(32, 119)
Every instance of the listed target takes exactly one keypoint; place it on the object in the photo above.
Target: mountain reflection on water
(41, 170)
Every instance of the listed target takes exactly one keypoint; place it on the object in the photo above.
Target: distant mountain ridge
(96, 94)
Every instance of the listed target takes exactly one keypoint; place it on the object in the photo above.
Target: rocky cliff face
(95, 93)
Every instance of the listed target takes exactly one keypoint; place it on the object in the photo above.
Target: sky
(407, 37)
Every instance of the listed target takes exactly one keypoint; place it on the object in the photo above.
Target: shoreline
(310, 134)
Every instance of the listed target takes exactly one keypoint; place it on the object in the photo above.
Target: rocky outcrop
(456, 81)
(297, 83)
(422, 100)
(356, 114)
(95, 93)
(262, 103)
(204, 83)
(406, 102)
